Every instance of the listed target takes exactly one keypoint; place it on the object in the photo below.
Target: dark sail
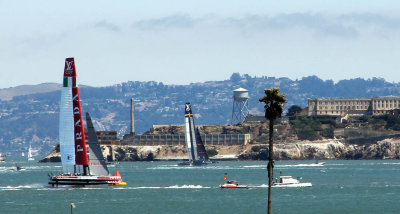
(201, 150)
(97, 163)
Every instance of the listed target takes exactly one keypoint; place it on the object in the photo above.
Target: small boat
(23, 154)
(319, 163)
(19, 168)
(119, 183)
(232, 184)
(2, 157)
(30, 157)
(289, 181)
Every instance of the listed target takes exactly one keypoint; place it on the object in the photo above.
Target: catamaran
(194, 144)
(79, 168)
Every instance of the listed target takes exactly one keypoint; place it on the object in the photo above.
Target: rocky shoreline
(296, 150)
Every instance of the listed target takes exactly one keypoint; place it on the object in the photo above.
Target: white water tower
(240, 105)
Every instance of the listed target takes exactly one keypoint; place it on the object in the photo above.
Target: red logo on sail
(69, 68)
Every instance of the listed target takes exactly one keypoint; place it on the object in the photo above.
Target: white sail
(66, 128)
(193, 139)
(30, 157)
(188, 139)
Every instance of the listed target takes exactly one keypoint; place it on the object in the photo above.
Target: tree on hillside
(273, 101)
(293, 110)
(235, 77)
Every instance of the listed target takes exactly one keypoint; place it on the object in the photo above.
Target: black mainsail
(201, 150)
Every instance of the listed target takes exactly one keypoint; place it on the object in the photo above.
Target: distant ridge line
(9, 93)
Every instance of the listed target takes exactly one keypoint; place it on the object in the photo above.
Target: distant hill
(29, 114)
(9, 93)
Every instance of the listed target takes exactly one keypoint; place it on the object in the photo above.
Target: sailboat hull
(196, 163)
(83, 180)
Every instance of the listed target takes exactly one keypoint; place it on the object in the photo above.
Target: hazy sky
(179, 42)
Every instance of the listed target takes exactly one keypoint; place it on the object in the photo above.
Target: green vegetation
(313, 128)
(212, 152)
(244, 130)
(255, 148)
(387, 121)
(293, 110)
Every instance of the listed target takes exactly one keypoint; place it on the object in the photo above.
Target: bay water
(339, 186)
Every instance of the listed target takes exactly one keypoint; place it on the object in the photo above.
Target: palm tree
(273, 109)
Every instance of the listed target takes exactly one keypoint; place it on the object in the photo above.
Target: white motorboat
(2, 157)
(289, 181)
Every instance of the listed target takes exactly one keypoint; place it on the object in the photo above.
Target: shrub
(255, 148)
(212, 152)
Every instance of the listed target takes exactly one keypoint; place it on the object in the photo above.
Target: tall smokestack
(132, 118)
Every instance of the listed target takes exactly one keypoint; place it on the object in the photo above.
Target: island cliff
(296, 150)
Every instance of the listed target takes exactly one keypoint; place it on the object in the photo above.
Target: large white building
(352, 106)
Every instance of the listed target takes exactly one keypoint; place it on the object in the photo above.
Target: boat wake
(299, 165)
(186, 187)
(190, 186)
(391, 163)
(266, 186)
(209, 167)
(259, 186)
(22, 187)
(256, 166)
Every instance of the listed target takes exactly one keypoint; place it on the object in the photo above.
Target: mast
(193, 136)
(188, 132)
(73, 111)
(66, 121)
(132, 118)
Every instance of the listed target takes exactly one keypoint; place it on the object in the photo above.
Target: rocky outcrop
(149, 153)
(332, 149)
(296, 150)
(54, 156)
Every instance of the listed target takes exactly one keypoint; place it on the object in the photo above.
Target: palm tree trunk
(270, 163)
